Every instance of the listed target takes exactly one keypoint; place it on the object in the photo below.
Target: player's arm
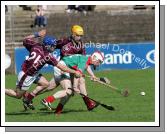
(54, 62)
(68, 70)
(90, 72)
(29, 41)
(94, 78)
(41, 33)
(61, 42)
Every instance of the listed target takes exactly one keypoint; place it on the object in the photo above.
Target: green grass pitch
(134, 108)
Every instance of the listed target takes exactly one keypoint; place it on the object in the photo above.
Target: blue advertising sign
(117, 56)
(126, 55)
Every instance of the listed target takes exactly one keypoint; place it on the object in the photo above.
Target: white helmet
(97, 56)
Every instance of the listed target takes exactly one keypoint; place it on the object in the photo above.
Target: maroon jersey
(68, 47)
(38, 57)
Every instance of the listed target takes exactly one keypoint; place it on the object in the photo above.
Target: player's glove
(105, 80)
(41, 33)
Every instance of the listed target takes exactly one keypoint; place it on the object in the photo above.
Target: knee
(18, 96)
(51, 87)
(45, 84)
(69, 92)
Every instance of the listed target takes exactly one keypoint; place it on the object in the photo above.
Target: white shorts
(25, 81)
(59, 75)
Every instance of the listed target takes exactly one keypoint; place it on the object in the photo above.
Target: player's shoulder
(63, 40)
(83, 56)
(76, 56)
(38, 48)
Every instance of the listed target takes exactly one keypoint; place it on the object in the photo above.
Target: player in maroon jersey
(71, 45)
(40, 54)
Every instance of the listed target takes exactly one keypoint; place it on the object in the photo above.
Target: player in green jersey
(79, 63)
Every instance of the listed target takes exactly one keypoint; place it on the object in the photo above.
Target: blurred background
(101, 23)
(125, 34)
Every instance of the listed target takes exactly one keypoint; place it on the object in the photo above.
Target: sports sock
(30, 96)
(25, 94)
(59, 108)
(65, 99)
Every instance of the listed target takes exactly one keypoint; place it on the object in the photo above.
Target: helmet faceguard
(97, 56)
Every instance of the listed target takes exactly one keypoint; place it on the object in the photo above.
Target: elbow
(26, 38)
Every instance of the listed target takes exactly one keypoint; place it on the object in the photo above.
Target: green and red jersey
(77, 61)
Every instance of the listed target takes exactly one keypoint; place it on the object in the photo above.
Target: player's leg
(42, 87)
(61, 78)
(53, 83)
(42, 84)
(64, 99)
(23, 83)
(89, 103)
(82, 85)
(66, 84)
(61, 104)
(75, 84)
(17, 93)
(79, 87)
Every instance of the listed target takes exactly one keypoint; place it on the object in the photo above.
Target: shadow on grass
(44, 111)
(24, 112)
(73, 111)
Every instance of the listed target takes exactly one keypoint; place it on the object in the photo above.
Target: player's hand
(42, 33)
(94, 78)
(78, 74)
